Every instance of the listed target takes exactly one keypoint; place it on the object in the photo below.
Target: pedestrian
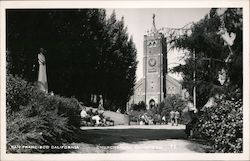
(83, 113)
(100, 105)
(163, 119)
(172, 117)
(90, 115)
(177, 116)
(159, 118)
(90, 112)
(97, 119)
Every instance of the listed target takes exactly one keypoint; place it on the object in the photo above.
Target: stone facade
(173, 87)
(155, 84)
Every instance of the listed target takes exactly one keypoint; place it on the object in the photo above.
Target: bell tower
(154, 66)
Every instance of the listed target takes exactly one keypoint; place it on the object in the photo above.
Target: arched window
(152, 103)
(150, 44)
(154, 43)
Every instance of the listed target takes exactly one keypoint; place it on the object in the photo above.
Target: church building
(156, 84)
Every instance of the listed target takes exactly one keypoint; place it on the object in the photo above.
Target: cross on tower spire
(153, 27)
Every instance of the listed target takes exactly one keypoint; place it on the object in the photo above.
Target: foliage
(222, 125)
(212, 53)
(141, 106)
(172, 102)
(18, 93)
(37, 119)
(233, 25)
(87, 53)
(135, 115)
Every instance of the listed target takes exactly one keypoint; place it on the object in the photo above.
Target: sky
(139, 20)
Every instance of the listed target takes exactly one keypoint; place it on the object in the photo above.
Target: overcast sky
(138, 21)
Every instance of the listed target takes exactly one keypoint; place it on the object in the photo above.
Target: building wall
(173, 87)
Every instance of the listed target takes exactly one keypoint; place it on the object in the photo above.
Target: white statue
(42, 75)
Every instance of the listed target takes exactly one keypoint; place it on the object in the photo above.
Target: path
(136, 139)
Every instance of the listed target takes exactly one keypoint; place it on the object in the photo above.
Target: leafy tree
(173, 102)
(86, 52)
(212, 53)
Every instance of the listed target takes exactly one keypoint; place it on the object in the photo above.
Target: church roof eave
(172, 80)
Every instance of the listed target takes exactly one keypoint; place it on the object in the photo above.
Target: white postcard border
(127, 4)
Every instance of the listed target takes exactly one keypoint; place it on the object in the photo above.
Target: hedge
(35, 118)
(222, 125)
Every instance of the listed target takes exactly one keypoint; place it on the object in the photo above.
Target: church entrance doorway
(151, 104)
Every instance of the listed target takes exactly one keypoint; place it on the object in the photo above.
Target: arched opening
(152, 103)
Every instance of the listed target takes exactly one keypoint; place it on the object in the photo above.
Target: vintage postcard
(125, 80)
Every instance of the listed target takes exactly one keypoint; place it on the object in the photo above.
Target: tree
(120, 64)
(212, 53)
(233, 25)
(86, 52)
(172, 102)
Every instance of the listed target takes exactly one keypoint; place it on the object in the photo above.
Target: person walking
(176, 117)
(172, 117)
(163, 119)
(84, 116)
(100, 104)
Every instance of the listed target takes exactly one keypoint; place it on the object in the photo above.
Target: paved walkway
(168, 126)
(136, 139)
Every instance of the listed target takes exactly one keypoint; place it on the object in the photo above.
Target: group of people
(158, 119)
(144, 119)
(92, 118)
(174, 117)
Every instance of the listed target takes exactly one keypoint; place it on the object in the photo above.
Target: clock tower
(156, 84)
(154, 66)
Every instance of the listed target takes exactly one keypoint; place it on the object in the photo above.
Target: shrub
(18, 93)
(222, 125)
(135, 115)
(141, 106)
(35, 118)
(30, 129)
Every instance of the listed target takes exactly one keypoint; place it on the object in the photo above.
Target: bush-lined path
(136, 139)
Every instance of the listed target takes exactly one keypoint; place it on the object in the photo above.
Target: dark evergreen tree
(86, 52)
(122, 65)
